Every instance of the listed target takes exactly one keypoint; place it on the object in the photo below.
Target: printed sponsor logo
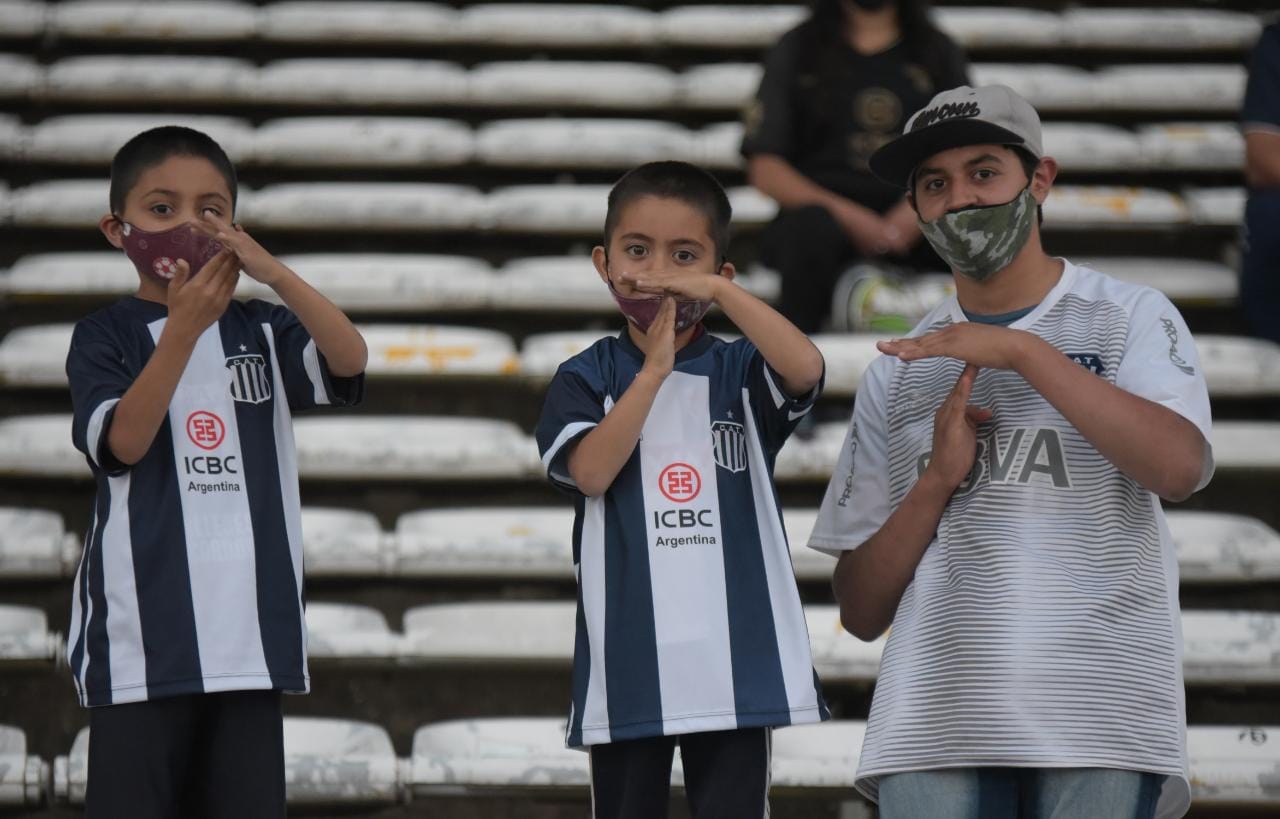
(679, 483)
(729, 445)
(205, 429)
(1171, 331)
(1015, 456)
(847, 493)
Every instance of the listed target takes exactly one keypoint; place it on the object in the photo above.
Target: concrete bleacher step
(364, 206)
(349, 633)
(25, 637)
(24, 777)
(338, 763)
(185, 20)
(1195, 282)
(344, 543)
(364, 142)
(95, 138)
(34, 544)
(186, 79)
(357, 83)
(485, 542)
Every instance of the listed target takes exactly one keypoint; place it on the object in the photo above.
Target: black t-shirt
(827, 115)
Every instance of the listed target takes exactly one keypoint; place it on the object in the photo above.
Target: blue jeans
(1025, 793)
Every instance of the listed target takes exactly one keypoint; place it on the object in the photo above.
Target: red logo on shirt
(205, 429)
(680, 483)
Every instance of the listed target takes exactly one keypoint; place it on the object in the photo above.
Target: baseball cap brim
(895, 161)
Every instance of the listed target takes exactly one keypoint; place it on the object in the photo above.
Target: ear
(728, 270)
(1042, 179)
(111, 228)
(601, 262)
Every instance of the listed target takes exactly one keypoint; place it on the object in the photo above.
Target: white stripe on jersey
(93, 433)
(127, 662)
(591, 579)
(566, 434)
(311, 363)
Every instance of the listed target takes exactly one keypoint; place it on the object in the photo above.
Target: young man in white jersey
(998, 502)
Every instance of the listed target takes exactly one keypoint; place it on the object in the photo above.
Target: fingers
(181, 276)
(665, 323)
(964, 384)
(978, 415)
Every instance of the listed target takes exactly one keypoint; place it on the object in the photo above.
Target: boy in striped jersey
(187, 617)
(690, 628)
(998, 502)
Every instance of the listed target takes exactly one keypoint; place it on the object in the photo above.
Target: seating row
(334, 762)
(381, 282)
(364, 83)
(380, 448)
(568, 209)
(600, 26)
(560, 143)
(533, 543)
(1234, 366)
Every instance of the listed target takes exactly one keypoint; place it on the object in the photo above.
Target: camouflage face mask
(979, 241)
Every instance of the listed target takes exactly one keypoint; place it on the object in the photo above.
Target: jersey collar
(698, 345)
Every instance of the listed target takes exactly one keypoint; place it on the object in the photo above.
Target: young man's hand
(196, 302)
(681, 284)
(660, 341)
(955, 432)
(984, 345)
(254, 258)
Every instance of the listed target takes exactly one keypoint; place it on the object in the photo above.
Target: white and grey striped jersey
(1041, 628)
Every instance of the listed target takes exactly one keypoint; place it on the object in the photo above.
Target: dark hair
(673, 180)
(822, 37)
(150, 148)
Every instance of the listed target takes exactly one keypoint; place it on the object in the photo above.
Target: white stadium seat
(424, 350)
(1216, 547)
(995, 27)
(1082, 146)
(810, 564)
(1238, 366)
(363, 83)
(556, 25)
(95, 138)
(1193, 88)
(489, 542)
(560, 283)
(339, 762)
(344, 543)
(563, 209)
(724, 26)
(71, 772)
(20, 77)
(811, 459)
(1231, 647)
(372, 447)
(396, 282)
(847, 355)
(462, 756)
(33, 543)
(364, 206)
(342, 631)
(751, 207)
(1234, 765)
(24, 778)
(1048, 87)
(25, 636)
(60, 203)
(545, 352)
(35, 356)
(816, 756)
(1222, 207)
(13, 137)
(183, 21)
(40, 445)
(580, 143)
(1185, 281)
(718, 147)
(1216, 146)
(1166, 29)
(365, 142)
(20, 18)
(330, 21)
(728, 86)
(1104, 206)
(541, 84)
(1247, 445)
(91, 273)
(507, 633)
(838, 656)
(134, 79)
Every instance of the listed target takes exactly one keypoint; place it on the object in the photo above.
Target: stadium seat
(20, 19)
(25, 636)
(93, 273)
(847, 355)
(1237, 366)
(1216, 146)
(1165, 29)
(95, 138)
(1050, 88)
(507, 754)
(809, 564)
(35, 356)
(553, 283)
(995, 27)
(545, 84)
(561, 209)
(1216, 547)
(1222, 207)
(363, 206)
(720, 86)
(1194, 88)
(838, 656)
(71, 772)
(20, 77)
(1247, 445)
(504, 633)
(33, 544)
(362, 142)
(580, 143)
(150, 79)
(366, 23)
(13, 137)
(557, 25)
(1103, 206)
(344, 543)
(346, 632)
(371, 447)
(40, 445)
(751, 208)
(181, 21)
(725, 26)
(488, 542)
(1082, 146)
(1184, 281)
(60, 203)
(811, 459)
(1231, 647)
(424, 350)
(1234, 765)
(24, 778)
(816, 756)
(357, 83)
(392, 282)
(718, 147)
(543, 353)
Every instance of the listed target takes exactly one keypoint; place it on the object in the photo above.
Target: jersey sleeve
(98, 379)
(776, 412)
(303, 368)
(857, 500)
(573, 407)
(1261, 110)
(1161, 364)
(770, 118)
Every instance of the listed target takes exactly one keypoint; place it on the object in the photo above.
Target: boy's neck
(641, 340)
(151, 291)
(1023, 283)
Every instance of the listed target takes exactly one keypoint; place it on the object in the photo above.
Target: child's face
(174, 192)
(657, 233)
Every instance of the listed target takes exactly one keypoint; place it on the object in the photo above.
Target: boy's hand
(984, 345)
(254, 258)
(196, 302)
(682, 284)
(955, 433)
(660, 341)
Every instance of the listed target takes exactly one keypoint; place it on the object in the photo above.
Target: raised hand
(955, 432)
(254, 258)
(680, 283)
(660, 341)
(197, 301)
(984, 345)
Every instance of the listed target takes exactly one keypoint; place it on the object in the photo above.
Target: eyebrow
(167, 192)
(978, 160)
(644, 238)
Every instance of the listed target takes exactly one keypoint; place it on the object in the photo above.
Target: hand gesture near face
(955, 432)
(660, 341)
(195, 302)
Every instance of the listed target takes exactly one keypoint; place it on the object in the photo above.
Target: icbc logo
(205, 429)
(680, 483)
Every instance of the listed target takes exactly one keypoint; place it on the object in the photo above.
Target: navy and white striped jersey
(191, 576)
(688, 615)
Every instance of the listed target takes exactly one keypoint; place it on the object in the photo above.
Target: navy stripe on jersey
(94, 653)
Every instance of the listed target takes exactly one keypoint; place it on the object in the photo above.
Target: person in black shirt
(1260, 121)
(835, 89)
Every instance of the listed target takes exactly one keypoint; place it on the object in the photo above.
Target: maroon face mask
(642, 311)
(156, 254)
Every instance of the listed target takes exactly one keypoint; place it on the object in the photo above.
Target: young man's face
(175, 192)
(657, 233)
(967, 177)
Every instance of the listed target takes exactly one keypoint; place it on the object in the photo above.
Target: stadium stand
(24, 778)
